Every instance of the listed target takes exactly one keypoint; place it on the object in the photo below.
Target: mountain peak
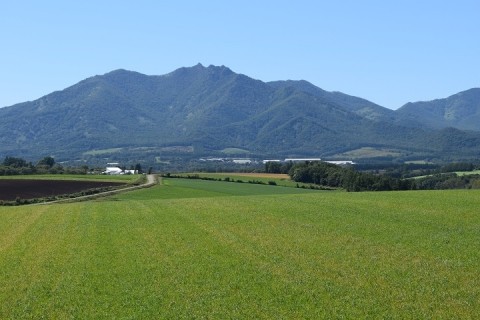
(122, 75)
(198, 66)
(211, 69)
(222, 67)
(199, 71)
(120, 72)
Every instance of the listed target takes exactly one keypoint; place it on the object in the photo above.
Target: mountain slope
(361, 107)
(208, 109)
(461, 111)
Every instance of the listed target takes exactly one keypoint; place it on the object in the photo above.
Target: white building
(341, 163)
(302, 160)
(267, 161)
(113, 170)
(242, 161)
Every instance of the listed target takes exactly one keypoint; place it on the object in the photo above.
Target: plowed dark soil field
(30, 189)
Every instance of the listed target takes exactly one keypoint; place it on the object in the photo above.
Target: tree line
(17, 166)
(331, 175)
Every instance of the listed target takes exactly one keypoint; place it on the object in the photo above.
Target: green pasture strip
(467, 173)
(90, 177)
(235, 151)
(192, 188)
(369, 152)
(102, 151)
(279, 181)
(317, 255)
(458, 173)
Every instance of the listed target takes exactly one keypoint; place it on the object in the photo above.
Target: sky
(389, 52)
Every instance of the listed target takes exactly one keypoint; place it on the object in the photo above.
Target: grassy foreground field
(203, 249)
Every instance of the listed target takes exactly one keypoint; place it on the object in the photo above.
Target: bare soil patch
(12, 189)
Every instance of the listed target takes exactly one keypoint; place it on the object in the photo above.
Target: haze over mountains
(201, 111)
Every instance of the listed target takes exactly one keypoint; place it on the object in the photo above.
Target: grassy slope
(191, 250)
(280, 179)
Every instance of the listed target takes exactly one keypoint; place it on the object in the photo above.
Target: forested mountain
(362, 107)
(200, 111)
(461, 111)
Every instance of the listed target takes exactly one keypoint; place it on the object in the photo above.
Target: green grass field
(369, 152)
(200, 249)
(103, 151)
(280, 179)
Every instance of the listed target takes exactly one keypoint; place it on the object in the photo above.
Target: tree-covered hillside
(461, 111)
(202, 110)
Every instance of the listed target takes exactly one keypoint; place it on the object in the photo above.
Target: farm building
(302, 160)
(113, 168)
(267, 161)
(242, 161)
(341, 162)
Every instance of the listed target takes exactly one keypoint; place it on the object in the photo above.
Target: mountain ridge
(212, 108)
(460, 110)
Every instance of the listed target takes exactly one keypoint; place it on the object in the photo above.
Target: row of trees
(278, 167)
(19, 166)
(348, 178)
(331, 175)
(14, 162)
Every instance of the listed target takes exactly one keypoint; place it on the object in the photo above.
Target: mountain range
(210, 111)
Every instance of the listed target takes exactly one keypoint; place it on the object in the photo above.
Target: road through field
(151, 180)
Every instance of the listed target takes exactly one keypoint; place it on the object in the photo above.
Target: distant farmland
(220, 250)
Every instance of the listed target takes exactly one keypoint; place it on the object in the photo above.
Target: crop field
(127, 178)
(218, 250)
(29, 189)
(42, 186)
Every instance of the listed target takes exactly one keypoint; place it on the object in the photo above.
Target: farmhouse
(114, 168)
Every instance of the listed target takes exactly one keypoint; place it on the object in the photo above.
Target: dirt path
(151, 181)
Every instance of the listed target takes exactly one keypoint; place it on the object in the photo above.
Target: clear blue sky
(389, 52)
